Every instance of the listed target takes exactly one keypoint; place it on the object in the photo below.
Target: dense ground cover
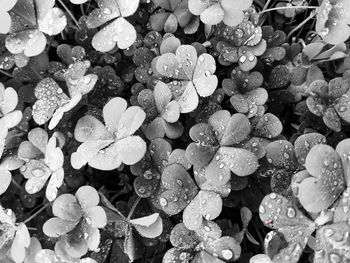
(174, 131)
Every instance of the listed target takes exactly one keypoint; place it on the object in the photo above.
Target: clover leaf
(77, 221)
(107, 147)
(52, 102)
(190, 74)
(212, 13)
(43, 160)
(119, 32)
(202, 245)
(14, 237)
(6, 18)
(332, 22)
(162, 112)
(215, 147)
(31, 19)
(173, 13)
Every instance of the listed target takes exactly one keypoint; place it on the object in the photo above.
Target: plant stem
(5, 73)
(266, 5)
(312, 14)
(69, 13)
(287, 7)
(133, 208)
(36, 213)
(82, 10)
(17, 185)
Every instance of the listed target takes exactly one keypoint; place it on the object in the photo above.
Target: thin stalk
(17, 185)
(36, 213)
(82, 10)
(287, 7)
(133, 208)
(69, 13)
(5, 73)
(266, 5)
(312, 14)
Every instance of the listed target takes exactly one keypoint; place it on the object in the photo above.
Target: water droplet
(291, 212)
(262, 209)
(227, 254)
(334, 258)
(328, 232)
(38, 172)
(242, 59)
(163, 201)
(142, 190)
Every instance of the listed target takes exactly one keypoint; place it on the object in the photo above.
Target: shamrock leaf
(107, 149)
(323, 182)
(278, 213)
(31, 19)
(119, 32)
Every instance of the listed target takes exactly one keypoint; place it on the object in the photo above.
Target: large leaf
(120, 32)
(206, 204)
(326, 181)
(278, 213)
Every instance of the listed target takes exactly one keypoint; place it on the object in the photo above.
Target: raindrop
(328, 232)
(291, 212)
(163, 201)
(262, 209)
(227, 254)
(242, 59)
(38, 172)
(142, 190)
(334, 258)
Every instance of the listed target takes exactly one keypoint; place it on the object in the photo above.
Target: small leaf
(67, 207)
(130, 121)
(281, 154)
(237, 129)
(240, 161)
(204, 79)
(5, 180)
(56, 227)
(113, 111)
(149, 226)
(89, 150)
(130, 150)
(305, 142)
(212, 15)
(87, 197)
(268, 126)
(89, 128)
